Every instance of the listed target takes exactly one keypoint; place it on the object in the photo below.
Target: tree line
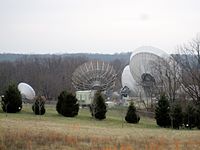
(48, 75)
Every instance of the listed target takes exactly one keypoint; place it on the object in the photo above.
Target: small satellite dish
(26, 91)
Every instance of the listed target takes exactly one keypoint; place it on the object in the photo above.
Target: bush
(98, 107)
(38, 106)
(12, 100)
(177, 116)
(132, 116)
(162, 112)
(190, 116)
(67, 104)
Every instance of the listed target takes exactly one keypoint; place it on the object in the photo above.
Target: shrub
(67, 104)
(12, 101)
(177, 116)
(38, 106)
(132, 116)
(162, 112)
(98, 107)
(190, 117)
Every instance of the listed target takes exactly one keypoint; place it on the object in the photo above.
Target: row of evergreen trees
(67, 105)
(166, 114)
(175, 116)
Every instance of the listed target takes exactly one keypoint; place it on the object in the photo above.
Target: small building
(85, 97)
(110, 104)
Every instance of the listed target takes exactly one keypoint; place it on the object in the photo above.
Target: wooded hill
(50, 74)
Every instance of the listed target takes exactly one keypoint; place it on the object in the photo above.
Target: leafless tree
(47, 75)
(167, 74)
(118, 66)
(189, 61)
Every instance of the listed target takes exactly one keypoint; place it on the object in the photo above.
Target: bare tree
(118, 66)
(47, 75)
(189, 61)
(167, 73)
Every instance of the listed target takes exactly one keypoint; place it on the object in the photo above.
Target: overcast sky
(96, 26)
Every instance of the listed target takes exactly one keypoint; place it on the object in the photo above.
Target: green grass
(113, 118)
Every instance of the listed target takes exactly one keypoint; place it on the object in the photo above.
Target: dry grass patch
(29, 132)
(49, 135)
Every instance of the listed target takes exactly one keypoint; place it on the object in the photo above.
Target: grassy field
(25, 130)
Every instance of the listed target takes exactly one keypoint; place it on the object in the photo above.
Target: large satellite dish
(141, 63)
(94, 75)
(127, 80)
(26, 91)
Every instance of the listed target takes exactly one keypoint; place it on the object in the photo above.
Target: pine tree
(60, 101)
(38, 106)
(98, 107)
(162, 112)
(177, 116)
(190, 116)
(12, 101)
(67, 104)
(198, 116)
(132, 116)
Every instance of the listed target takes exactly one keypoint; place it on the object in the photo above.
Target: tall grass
(28, 140)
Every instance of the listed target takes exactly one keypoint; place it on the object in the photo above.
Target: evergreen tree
(59, 102)
(98, 107)
(162, 112)
(67, 104)
(177, 116)
(198, 117)
(190, 116)
(132, 116)
(12, 101)
(38, 106)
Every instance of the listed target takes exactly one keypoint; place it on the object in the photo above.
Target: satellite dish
(94, 75)
(127, 79)
(141, 62)
(149, 49)
(26, 91)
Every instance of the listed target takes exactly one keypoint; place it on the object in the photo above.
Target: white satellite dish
(149, 49)
(127, 79)
(141, 61)
(26, 91)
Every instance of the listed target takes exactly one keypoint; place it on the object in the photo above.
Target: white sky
(96, 26)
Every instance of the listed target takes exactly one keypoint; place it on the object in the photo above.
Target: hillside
(104, 57)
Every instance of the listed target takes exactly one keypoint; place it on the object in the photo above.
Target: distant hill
(10, 57)
(103, 57)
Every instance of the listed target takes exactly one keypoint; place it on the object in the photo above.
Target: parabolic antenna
(141, 62)
(127, 79)
(94, 75)
(26, 91)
